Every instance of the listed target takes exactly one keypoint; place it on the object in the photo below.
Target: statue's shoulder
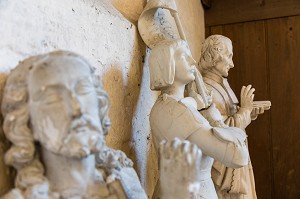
(189, 102)
(164, 110)
(213, 85)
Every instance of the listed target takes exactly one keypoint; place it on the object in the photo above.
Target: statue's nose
(76, 107)
(231, 65)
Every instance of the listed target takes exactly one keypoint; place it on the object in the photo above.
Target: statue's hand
(112, 159)
(243, 117)
(199, 98)
(257, 111)
(213, 116)
(179, 169)
(247, 97)
(259, 107)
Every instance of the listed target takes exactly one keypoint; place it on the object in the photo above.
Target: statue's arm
(242, 118)
(227, 145)
(181, 120)
(220, 103)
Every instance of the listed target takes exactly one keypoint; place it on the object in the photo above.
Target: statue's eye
(49, 95)
(52, 99)
(84, 87)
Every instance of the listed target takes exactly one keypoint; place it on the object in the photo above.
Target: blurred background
(266, 42)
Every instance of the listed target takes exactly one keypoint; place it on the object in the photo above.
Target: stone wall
(104, 32)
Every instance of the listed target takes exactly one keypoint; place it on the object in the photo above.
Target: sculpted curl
(212, 51)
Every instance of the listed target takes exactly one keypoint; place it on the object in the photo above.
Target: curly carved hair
(22, 154)
(212, 50)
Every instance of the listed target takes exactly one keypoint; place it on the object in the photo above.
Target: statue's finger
(261, 110)
(252, 97)
(247, 89)
(251, 91)
(243, 90)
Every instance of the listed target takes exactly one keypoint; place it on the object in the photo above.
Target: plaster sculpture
(179, 169)
(155, 24)
(173, 115)
(215, 62)
(6, 173)
(56, 117)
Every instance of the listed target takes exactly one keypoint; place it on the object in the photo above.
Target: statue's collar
(223, 82)
(217, 78)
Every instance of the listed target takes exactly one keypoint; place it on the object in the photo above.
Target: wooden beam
(234, 11)
(284, 41)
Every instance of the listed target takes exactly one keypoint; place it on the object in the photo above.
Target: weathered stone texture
(105, 33)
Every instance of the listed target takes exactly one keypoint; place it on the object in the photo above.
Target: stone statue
(6, 173)
(173, 115)
(56, 117)
(179, 169)
(215, 62)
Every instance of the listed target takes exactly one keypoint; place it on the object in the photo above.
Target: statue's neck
(67, 174)
(176, 91)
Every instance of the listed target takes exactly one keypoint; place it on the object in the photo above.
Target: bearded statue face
(63, 107)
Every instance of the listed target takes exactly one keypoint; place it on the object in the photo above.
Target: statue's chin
(78, 144)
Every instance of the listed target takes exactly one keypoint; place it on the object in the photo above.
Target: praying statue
(215, 63)
(176, 116)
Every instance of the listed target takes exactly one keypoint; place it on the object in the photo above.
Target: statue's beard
(84, 137)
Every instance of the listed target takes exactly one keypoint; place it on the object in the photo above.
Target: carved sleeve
(170, 119)
(226, 145)
(240, 119)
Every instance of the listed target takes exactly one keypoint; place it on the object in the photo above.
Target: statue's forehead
(57, 71)
(228, 44)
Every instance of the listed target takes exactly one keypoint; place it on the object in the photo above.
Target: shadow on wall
(124, 91)
(131, 103)
(130, 9)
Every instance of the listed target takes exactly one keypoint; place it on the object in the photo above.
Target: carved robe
(168, 112)
(230, 183)
(170, 118)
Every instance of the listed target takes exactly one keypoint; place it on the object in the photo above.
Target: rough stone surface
(105, 33)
